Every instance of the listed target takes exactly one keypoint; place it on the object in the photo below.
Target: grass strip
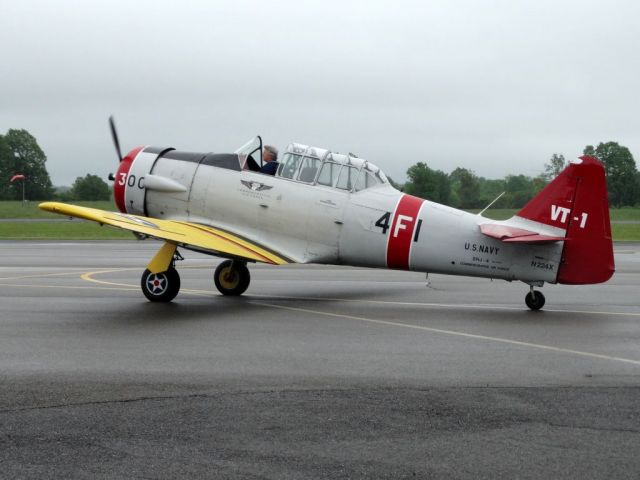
(627, 232)
(60, 231)
(31, 210)
(92, 231)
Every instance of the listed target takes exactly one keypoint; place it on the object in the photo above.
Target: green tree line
(462, 188)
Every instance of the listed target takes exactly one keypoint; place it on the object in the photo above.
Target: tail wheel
(162, 286)
(232, 278)
(534, 300)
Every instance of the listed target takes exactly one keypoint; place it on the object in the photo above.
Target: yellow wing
(212, 240)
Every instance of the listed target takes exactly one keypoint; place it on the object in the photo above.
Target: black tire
(160, 287)
(232, 278)
(534, 300)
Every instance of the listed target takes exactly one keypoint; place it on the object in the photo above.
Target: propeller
(114, 135)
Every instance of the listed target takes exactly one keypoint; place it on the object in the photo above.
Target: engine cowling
(130, 184)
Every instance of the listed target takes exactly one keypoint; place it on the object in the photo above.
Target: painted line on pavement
(453, 333)
(39, 275)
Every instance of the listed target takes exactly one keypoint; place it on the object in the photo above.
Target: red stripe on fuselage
(405, 219)
(120, 183)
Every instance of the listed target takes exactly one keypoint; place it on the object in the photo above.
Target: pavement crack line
(595, 429)
(175, 397)
(103, 402)
(329, 390)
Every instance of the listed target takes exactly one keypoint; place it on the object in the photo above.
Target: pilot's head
(269, 153)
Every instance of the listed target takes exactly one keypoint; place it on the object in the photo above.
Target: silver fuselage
(312, 223)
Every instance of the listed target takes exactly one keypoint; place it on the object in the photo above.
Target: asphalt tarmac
(316, 372)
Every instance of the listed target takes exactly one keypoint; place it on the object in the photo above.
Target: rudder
(576, 201)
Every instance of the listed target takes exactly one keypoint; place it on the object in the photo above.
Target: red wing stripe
(405, 219)
(244, 247)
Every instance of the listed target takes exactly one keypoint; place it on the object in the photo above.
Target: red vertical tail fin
(576, 201)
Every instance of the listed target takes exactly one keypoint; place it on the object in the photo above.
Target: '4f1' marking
(383, 223)
(562, 213)
(400, 225)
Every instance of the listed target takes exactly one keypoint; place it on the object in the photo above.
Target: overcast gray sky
(494, 86)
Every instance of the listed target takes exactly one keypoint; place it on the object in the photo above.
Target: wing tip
(48, 206)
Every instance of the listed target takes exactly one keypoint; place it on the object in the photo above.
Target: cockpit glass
(381, 176)
(366, 179)
(250, 154)
(318, 166)
(309, 169)
(328, 174)
(249, 148)
(347, 177)
(289, 165)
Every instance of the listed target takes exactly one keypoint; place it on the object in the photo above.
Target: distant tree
(91, 187)
(520, 189)
(427, 183)
(27, 158)
(64, 194)
(490, 189)
(465, 187)
(621, 171)
(538, 183)
(554, 167)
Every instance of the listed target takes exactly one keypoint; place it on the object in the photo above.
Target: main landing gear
(231, 277)
(161, 286)
(534, 299)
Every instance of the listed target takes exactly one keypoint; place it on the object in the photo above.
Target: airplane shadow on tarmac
(215, 306)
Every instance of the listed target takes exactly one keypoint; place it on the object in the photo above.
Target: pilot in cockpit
(270, 160)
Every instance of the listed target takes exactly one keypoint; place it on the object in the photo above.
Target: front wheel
(161, 286)
(534, 300)
(232, 278)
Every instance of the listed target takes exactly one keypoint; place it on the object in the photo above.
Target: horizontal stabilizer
(505, 233)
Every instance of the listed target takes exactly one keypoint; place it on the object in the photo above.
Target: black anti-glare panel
(222, 160)
(184, 156)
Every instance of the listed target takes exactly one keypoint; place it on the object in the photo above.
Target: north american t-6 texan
(324, 207)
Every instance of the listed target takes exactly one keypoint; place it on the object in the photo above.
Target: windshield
(250, 154)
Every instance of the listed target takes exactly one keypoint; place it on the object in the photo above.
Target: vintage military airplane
(327, 208)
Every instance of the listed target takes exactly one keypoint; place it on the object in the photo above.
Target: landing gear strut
(534, 299)
(232, 277)
(163, 285)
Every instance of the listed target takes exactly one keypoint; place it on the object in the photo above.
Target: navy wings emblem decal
(255, 186)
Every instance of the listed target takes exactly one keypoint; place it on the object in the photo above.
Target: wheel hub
(157, 283)
(229, 278)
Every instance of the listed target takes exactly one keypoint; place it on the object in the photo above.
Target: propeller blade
(114, 135)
